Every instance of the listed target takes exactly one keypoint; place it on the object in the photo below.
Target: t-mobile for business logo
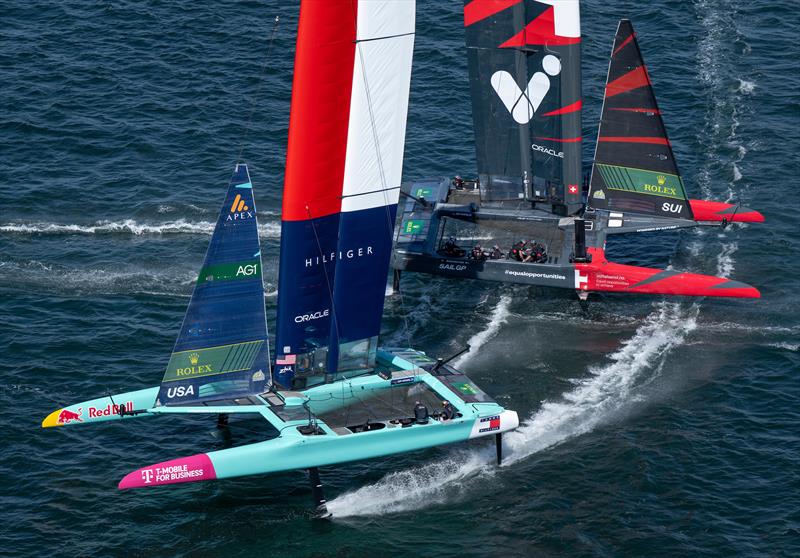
(523, 104)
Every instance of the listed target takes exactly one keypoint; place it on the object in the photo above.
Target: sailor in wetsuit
(496, 253)
(478, 253)
(420, 413)
(458, 182)
(448, 412)
(516, 251)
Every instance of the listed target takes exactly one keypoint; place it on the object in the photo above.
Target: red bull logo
(66, 416)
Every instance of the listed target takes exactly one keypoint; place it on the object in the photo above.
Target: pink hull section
(602, 275)
(705, 210)
(186, 469)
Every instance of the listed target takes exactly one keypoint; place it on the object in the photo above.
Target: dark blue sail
(222, 349)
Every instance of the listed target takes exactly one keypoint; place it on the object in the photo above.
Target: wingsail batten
(343, 168)
(525, 83)
(634, 166)
(222, 347)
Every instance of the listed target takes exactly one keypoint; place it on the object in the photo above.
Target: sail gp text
(342, 255)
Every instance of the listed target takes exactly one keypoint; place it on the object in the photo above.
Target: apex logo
(522, 105)
(239, 210)
(238, 204)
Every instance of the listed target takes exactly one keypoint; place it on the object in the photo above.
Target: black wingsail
(634, 168)
(525, 83)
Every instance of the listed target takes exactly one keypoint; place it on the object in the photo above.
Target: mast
(343, 169)
(634, 168)
(525, 82)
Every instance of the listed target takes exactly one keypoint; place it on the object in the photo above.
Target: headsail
(222, 350)
(343, 168)
(634, 168)
(525, 82)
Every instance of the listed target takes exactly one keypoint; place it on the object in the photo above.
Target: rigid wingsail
(529, 217)
(329, 393)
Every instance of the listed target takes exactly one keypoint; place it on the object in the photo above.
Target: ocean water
(651, 427)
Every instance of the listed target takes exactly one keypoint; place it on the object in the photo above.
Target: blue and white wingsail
(343, 170)
(222, 349)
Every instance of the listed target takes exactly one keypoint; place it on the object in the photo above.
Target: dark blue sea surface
(651, 426)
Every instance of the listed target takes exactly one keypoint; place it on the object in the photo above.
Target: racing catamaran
(332, 395)
(525, 83)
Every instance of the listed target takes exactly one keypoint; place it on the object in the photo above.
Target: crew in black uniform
(420, 413)
(448, 412)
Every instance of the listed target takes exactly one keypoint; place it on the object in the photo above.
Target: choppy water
(651, 427)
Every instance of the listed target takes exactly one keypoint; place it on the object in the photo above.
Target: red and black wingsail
(525, 84)
(634, 168)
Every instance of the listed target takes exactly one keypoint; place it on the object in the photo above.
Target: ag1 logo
(247, 270)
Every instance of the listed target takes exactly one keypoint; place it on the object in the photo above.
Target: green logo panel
(424, 192)
(211, 361)
(642, 181)
(413, 226)
(229, 271)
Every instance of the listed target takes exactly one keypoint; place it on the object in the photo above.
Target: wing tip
(51, 420)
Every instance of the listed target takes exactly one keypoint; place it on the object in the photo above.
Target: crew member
(448, 412)
(478, 253)
(516, 251)
(496, 253)
(458, 182)
(420, 413)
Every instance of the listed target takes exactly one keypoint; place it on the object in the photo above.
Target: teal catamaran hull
(313, 426)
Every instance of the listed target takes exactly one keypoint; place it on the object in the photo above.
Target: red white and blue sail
(343, 170)
(222, 350)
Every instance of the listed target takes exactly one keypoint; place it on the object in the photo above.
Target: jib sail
(634, 168)
(343, 169)
(525, 83)
(222, 349)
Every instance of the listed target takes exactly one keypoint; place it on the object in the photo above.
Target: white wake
(129, 226)
(498, 317)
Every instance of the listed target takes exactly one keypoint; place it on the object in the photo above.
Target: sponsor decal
(466, 388)
(534, 275)
(408, 380)
(66, 416)
(170, 474)
(312, 316)
(239, 210)
(259, 376)
(247, 270)
(342, 255)
(180, 391)
(413, 226)
(522, 105)
(672, 207)
(208, 361)
(642, 181)
(108, 410)
(424, 192)
(547, 151)
(452, 267)
(599, 195)
(195, 369)
(489, 424)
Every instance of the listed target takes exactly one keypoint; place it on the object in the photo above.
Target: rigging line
(261, 80)
(390, 227)
(327, 278)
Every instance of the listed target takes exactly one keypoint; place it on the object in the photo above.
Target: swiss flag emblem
(573, 189)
